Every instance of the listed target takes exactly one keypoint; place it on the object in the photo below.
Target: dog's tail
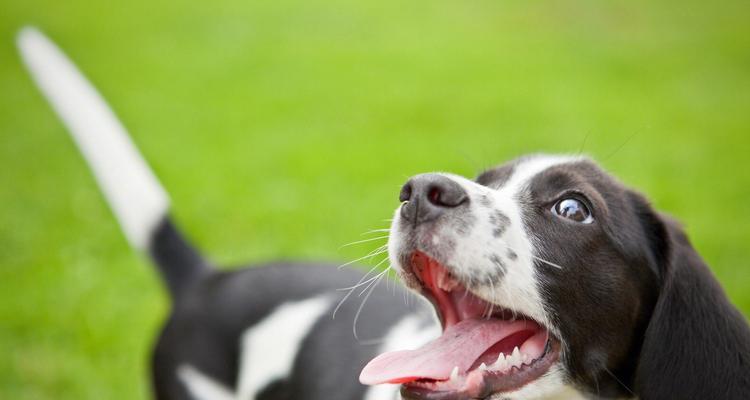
(137, 199)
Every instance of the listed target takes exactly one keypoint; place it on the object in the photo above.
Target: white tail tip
(133, 192)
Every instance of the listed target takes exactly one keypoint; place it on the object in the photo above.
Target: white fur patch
(202, 387)
(270, 347)
(132, 190)
(520, 285)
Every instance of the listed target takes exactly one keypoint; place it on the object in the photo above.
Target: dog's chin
(485, 348)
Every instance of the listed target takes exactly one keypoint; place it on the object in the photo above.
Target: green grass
(283, 129)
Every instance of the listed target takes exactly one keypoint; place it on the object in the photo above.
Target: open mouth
(484, 348)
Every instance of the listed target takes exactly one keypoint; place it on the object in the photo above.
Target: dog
(544, 277)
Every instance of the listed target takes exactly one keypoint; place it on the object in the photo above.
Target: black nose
(427, 196)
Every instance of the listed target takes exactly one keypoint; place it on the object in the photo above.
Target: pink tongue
(460, 345)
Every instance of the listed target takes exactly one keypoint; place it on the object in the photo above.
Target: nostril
(446, 194)
(434, 194)
(405, 194)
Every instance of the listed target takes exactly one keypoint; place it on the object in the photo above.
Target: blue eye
(574, 210)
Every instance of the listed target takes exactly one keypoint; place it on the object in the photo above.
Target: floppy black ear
(697, 344)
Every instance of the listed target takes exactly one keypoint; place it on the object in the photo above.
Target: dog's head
(550, 277)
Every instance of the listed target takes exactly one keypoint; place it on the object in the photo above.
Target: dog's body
(267, 332)
(550, 280)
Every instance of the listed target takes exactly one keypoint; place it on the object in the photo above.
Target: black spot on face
(498, 262)
(512, 255)
(485, 201)
(500, 223)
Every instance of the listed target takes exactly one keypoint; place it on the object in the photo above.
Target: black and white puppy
(549, 279)
(552, 279)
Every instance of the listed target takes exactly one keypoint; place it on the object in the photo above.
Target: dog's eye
(573, 209)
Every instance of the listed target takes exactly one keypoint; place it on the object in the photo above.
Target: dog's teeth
(515, 358)
(525, 358)
(454, 373)
(501, 364)
(482, 367)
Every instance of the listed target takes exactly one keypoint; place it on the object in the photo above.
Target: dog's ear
(697, 344)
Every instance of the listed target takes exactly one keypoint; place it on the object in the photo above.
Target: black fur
(640, 313)
(179, 263)
(697, 345)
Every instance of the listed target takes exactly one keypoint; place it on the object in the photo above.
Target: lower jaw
(492, 383)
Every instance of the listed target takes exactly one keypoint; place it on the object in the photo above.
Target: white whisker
(375, 231)
(380, 250)
(341, 302)
(361, 306)
(368, 273)
(359, 284)
(531, 255)
(618, 380)
(546, 262)
(378, 276)
(492, 303)
(364, 241)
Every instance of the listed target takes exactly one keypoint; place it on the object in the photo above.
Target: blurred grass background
(284, 129)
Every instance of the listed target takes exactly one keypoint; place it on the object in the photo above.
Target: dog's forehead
(522, 171)
(582, 175)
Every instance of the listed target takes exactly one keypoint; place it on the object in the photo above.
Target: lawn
(283, 130)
